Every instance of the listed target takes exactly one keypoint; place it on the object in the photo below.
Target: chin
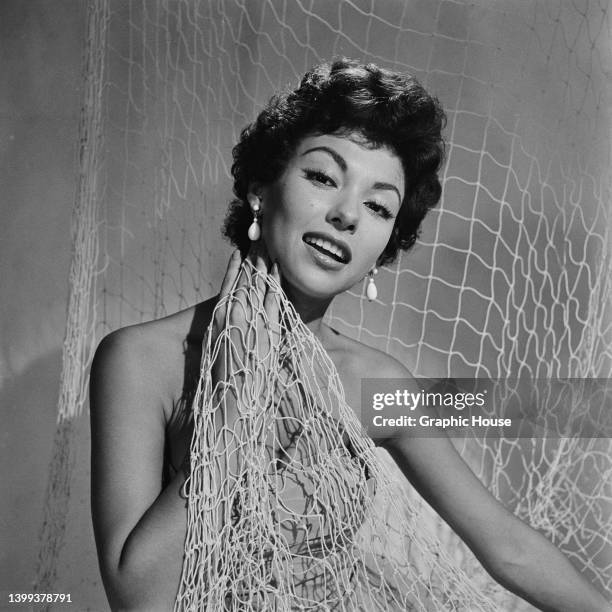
(316, 286)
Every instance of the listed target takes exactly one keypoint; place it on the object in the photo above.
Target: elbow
(509, 573)
(509, 562)
(131, 585)
(120, 586)
(115, 587)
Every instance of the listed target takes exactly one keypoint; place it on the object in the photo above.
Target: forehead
(380, 163)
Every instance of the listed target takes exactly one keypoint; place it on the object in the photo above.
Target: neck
(311, 310)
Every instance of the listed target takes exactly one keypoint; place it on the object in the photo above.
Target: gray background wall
(40, 61)
(40, 89)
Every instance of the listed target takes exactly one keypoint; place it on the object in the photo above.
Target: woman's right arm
(139, 528)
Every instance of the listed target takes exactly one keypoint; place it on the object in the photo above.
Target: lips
(326, 244)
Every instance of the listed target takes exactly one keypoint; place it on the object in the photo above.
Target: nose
(344, 215)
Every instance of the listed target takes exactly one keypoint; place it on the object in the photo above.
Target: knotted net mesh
(290, 506)
(511, 277)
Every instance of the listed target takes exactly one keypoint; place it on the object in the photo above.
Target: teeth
(328, 246)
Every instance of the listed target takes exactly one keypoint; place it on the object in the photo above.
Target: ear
(255, 194)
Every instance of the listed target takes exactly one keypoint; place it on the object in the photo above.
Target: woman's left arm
(517, 556)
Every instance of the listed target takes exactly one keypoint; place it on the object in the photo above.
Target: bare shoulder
(375, 363)
(150, 359)
(357, 360)
(138, 354)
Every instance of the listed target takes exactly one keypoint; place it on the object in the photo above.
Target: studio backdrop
(512, 275)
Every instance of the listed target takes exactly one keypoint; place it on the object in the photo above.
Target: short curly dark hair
(387, 108)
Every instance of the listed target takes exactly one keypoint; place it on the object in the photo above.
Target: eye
(316, 176)
(379, 209)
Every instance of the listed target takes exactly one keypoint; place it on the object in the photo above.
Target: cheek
(379, 240)
(285, 213)
(278, 227)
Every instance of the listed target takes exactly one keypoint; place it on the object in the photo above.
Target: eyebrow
(342, 163)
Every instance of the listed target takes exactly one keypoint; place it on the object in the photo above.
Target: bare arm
(139, 528)
(517, 556)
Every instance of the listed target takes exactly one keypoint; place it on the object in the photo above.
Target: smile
(336, 249)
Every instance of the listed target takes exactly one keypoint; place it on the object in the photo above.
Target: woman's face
(330, 214)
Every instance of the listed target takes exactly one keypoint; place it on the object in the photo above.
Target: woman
(330, 181)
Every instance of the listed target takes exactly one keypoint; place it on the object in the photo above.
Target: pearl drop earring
(371, 290)
(254, 229)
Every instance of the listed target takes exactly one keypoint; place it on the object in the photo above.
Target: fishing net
(290, 507)
(512, 275)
